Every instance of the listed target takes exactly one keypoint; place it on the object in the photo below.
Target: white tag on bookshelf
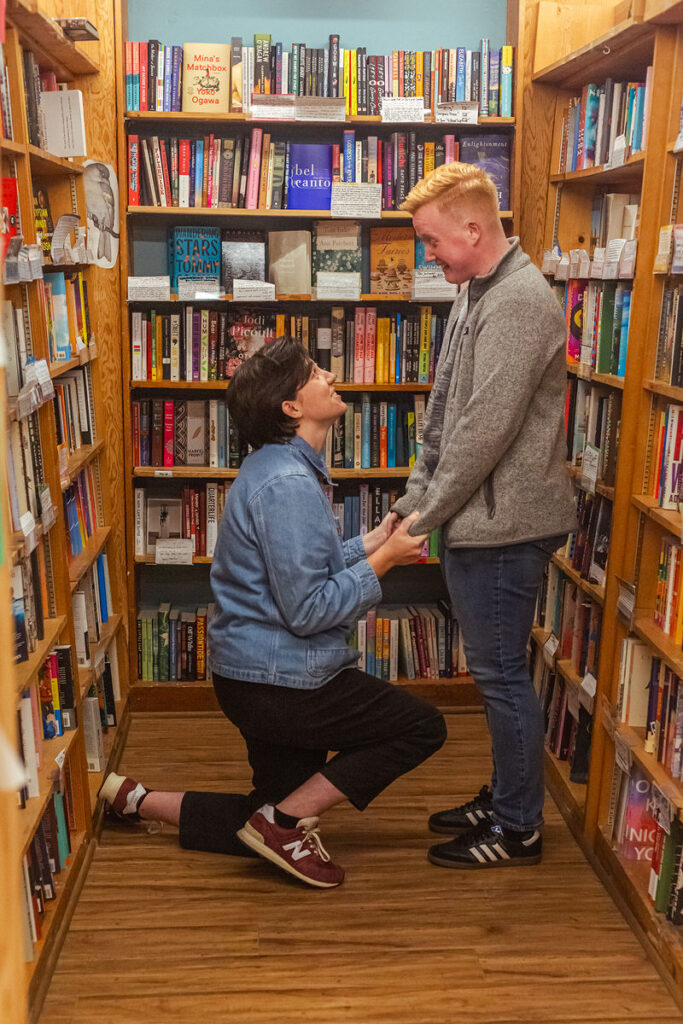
(550, 650)
(598, 264)
(26, 402)
(663, 809)
(191, 289)
(622, 753)
(584, 264)
(562, 268)
(574, 262)
(175, 551)
(465, 112)
(664, 247)
(584, 371)
(254, 291)
(587, 691)
(590, 465)
(48, 518)
(612, 256)
(403, 109)
(430, 283)
(320, 108)
(63, 459)
(627, 262)
(338, 285)
(618, 152)
(35, 261)
(27, 523)
(573, 702)
(12, 772)
(273, 108)
(144, 289)
(163, 473)
(678, 144)
(550, 261)
(47, 388)
(356, 200)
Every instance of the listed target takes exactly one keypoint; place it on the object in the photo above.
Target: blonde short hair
(450, 184)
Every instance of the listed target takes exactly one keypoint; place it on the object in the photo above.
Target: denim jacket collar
(314, 458)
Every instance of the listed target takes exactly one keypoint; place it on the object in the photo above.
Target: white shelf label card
(590, 466)
(273, 108)
(198, 290)
(338, 285)
(587, 691)
(253, 291)
(356, 200)
(320, 108)
(143, 289)
(430, 283)
(618, 152)
(174, 551)
(27, 523)
(464, 112)
(598, 264)
(550, 650)
(163, 472)
(403, 109)
(663, 809)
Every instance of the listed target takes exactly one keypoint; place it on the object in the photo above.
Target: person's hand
(375, 538)
(400, 548)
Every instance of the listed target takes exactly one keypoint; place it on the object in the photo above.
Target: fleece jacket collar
(514, 259)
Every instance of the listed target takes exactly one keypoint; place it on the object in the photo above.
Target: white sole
(254, 840)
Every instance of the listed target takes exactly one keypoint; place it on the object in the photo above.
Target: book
(392, 260)
(64, 123)
(336, 247)
(289, 262)
(243, 257)
(490, 152)
(43, 219)
(206, 78)
(194, 252)
(309, 186)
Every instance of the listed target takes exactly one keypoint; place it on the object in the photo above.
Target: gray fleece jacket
(493, 464)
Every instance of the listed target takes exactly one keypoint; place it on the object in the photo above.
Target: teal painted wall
(402, 24)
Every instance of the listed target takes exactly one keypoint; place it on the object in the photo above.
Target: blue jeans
(493, 593)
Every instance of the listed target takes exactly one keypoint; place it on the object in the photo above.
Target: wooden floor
(161, 934)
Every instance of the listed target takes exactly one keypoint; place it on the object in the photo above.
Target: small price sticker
(550, 650)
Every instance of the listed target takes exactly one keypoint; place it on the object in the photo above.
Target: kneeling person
(288, 593)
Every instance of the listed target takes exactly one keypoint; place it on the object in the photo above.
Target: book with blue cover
(309, 183)
(194, 252)
(492, 154)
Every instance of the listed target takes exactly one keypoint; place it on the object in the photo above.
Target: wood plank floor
(161, 934)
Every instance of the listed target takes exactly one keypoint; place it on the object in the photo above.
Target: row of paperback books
(413, 641)
(568, 725)
(194, 516)
(355, 344)
(92, 608)
(669, 358)
(82, 511)
(64, 301)
(98, 709)
(666, 484)
(668, 612)
(32, 601)
(592, 422)
(605, 122)
(598, 315)
(222, 78)
(25, 477)
(258, 171)
(364, 508)
(6, 123)
(48, 854)
(382, 258)
(650, 698)
(44, 712)
(176, 432)
(171, 643)
(569, 614)
(74, 413)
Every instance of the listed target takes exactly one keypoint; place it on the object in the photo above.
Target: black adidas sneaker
(466, 816)
(487, 846)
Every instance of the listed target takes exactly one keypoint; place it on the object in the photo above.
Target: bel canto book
(206, 77)
(310, 177)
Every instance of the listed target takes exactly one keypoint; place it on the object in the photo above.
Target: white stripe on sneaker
(499, 850)
(481, 814)
(471, 817)
(489, 853)
(475, 853)
(532, 839)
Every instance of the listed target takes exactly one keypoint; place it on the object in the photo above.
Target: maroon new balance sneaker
(298, 851)
(123, 796)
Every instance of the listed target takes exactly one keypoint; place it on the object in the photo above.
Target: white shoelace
(312, 837)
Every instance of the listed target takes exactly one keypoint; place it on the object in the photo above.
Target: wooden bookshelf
(638, 524)
(143, 221)
(22, 987)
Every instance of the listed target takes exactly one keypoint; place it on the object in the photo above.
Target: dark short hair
(261, 384)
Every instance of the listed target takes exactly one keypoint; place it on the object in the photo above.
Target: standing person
(288, 594)
(492, 475)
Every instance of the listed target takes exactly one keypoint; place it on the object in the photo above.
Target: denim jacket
(288, 592)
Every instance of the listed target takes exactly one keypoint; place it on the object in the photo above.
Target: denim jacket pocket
(321, 660)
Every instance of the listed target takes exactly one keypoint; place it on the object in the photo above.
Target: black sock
(285, 820)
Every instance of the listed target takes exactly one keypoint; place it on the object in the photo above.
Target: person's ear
(473, 232)
(292, 409)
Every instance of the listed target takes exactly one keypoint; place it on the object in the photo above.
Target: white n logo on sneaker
(297, 847)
